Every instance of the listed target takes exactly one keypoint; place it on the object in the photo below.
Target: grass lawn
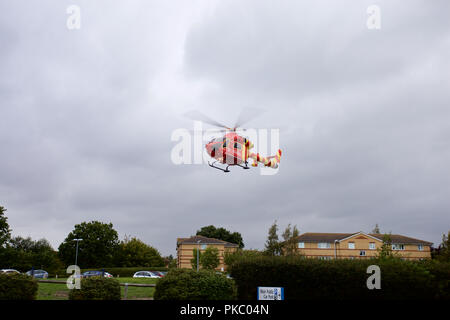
(59, 291)
(52, 291)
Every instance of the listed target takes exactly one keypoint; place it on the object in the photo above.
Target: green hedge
(17, 287)
(440, 272)
(304, 278)
(122, 272)
(96, 288)
(187, 284)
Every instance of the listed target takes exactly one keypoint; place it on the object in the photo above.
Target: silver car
(38, 273)
(9, 271)
(146, 274)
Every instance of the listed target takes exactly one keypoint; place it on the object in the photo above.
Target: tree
(240, 254)
(273, 246)
(5, 232)
(170, 261)
(221, 234)
(376, 230)
(97, 249)
(289, 246)
(386, 248)
(25, 253)
(210, 258)
(135, 253)
(443, 251)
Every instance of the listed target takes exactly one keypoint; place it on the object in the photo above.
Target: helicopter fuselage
(231, 149)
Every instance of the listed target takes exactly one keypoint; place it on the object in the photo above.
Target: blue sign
(270, 293)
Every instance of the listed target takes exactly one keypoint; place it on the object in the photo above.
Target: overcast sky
(86, 116)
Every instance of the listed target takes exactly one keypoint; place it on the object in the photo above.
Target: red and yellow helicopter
(233, 149)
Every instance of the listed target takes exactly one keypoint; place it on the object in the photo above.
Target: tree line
(100, 247)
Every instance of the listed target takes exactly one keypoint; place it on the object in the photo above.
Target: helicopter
(233, 149)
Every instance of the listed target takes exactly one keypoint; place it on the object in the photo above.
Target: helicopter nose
(210, 150)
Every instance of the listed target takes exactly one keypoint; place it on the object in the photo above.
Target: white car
(8, 271)
(146, 274)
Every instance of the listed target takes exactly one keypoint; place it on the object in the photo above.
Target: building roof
(331, 237)
(204, 240)
(397, 238)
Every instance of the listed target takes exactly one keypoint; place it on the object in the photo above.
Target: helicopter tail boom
(267, 161)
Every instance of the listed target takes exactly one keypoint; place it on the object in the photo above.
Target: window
(203, 246)
(324, 245)
(362, 253)
(372, 246)
(301, 245)
(325, 258)
(398, 247)
(420, 247)
(351, 245)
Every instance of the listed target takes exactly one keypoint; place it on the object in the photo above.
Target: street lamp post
(198, 252)
(76, 251)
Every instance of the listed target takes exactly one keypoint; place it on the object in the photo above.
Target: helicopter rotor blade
(197, 115)
(210, 131)
(247, 114)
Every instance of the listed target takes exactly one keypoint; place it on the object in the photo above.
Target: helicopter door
(228, 152)
(238, 152)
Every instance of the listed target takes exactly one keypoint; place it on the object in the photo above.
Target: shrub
(186, 284)
(96, 288)
(304, 278)
(17, 287)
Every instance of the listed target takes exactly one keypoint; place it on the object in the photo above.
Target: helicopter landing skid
(244, 167)
(218, 168)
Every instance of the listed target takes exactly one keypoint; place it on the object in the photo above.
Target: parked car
(159, 273)
(146, 274)
(38, 273)
(95, 273)
(225, 274)
(8, 271)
